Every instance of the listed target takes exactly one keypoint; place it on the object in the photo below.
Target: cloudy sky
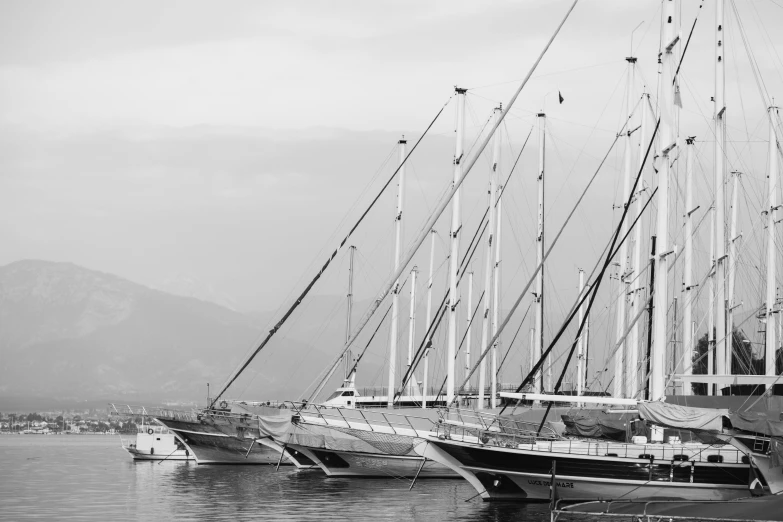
(229, 143)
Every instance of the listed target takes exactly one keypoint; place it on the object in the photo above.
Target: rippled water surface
(92, 478)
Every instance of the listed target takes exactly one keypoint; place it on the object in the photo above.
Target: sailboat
(234, 432)
(512, 465)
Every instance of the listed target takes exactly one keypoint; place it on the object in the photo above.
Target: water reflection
(83, 477)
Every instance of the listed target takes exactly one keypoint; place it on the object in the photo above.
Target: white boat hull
(354, 464)
(177, 455)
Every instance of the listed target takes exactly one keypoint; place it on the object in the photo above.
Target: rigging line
(753, 63)
(685, 49)
(424, 232)
(594, 289)
(592, 292)
(417, 357)
(536, 270)
(522, 322)
(613, 62)
(361, 354)
(478, 304)
(442, 308)
(306, 291)
(436, 321)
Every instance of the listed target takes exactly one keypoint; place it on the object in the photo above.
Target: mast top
(690, 139)
(402, 140)
(460, 90)
(631, 59)
(541, 115)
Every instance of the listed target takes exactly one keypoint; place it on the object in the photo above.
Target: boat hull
(505, 474)
(356, 464)
(177, 455)
(211, 446)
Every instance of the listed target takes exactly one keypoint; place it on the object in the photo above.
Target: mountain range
(69, 334)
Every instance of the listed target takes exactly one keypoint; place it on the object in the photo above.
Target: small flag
(560, 96)
(677, 98)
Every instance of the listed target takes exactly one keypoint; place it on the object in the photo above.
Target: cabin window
(158, 438)
(334, 395)
(348, 394)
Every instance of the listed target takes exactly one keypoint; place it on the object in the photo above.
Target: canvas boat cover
(683, 417)
(757, 422)
(602, 425)
(711, 420)
(284, 430)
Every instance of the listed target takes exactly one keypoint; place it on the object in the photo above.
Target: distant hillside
(71, 334)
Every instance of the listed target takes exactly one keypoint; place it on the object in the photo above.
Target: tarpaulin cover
(683, 417)
(334, 438)
(600, 425)
(756, 422)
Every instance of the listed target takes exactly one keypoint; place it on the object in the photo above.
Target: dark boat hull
(500, 473)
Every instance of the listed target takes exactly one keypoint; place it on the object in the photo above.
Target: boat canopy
(600, 425)
(709, 419)
(683, 417)
(757, 422)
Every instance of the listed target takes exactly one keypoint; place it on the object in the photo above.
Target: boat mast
(348, 354)
(580, 384)
(732, 266)
(769, 367)
(721, 352)
(470, 322)
(539, 336)
(632, 348)
(396, 288)
(425, 377)
(711, 314)
(485, 325)
(454, 251)
(687, 275)
(622, 286)
(440, 207)
(493, 379)
(412, 328)
(668, 142)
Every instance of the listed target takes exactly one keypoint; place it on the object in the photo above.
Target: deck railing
(529, 440)
(378, 420)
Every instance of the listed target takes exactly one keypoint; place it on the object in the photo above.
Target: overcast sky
(226, 141)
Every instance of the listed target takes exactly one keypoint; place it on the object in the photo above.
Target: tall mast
(722, 354)
(732, 267)
(412, 328)
(425, 377)
(687, 275)
(348, 356)
(470, 322)
(396, 288)
(622, 286)
(580, 378)
(539, 337)
(496, 293)
(485, 324)
(632, 347)
(456, 225)
(771, 345)
(711, 312)
(667, 141)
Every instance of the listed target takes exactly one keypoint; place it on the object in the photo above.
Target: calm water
(91, 478)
